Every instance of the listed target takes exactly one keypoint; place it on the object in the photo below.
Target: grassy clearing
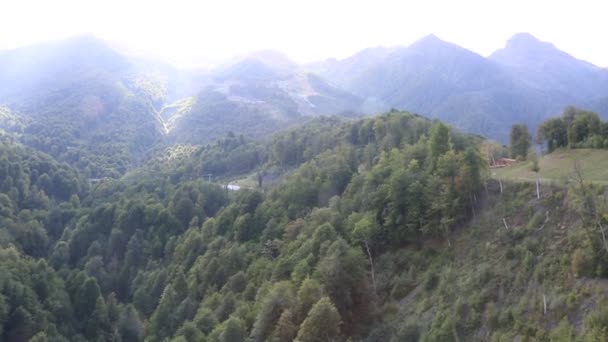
(559, 166)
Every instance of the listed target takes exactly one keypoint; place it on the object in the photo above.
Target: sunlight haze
(195, 31)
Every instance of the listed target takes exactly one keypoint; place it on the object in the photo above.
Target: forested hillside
(81, 102)
(381, 229)
(256, 95)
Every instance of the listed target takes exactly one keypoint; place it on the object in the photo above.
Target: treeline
(576, 128)
(236, 155)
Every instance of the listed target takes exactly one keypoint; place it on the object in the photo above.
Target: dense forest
(380, 229)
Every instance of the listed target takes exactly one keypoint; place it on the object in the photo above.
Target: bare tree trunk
(505, 223)
(371, 263)
(546, 220)
(544, 304)
(599, 223)
(537, 187)
(500, 183)
(447, 236)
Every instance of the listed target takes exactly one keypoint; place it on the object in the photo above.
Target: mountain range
(526, 81)
(99, 109)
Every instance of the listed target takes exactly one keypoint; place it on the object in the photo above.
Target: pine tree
(310, 292)
(322, 323)
(234, 330)
(439, 141)
(129, 325)
(86, 298)
(520, 141)
(286, 329)
(279, 298)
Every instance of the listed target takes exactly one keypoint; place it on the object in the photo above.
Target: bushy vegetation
(382, 229)
(576, 128)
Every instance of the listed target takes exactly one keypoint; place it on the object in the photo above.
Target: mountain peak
(525, 50)
(430, 41)
(524, 36)
(274, 58)
(433, 45)
(526, 41)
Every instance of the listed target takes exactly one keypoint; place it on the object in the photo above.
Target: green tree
(190, 332)
(162, 322)
(322, 323)
(285, 329)
(99, 322)
(129, 324)
(470, 174)
(205, 319)
(584, 126)
(364, 231)
(309, 293)
(553, 132)
(279, 298)
(39, 337)
(596, 324)
(86, 298)
(563, 332)
(234, 330)
(439, 141)
(520, 141)
(342, 273)
(19, 326)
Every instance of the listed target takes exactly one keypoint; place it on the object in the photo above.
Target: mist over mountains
(77, 95)
(526, 81)
(266, 200)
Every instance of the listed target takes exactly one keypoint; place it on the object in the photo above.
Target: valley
(133, 106)
(344, 200)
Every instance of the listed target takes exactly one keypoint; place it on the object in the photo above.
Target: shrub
(580, 264)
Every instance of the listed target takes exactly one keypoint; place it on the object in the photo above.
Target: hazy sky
(306, 30)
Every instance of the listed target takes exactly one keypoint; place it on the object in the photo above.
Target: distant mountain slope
(255, 96)
(211, 114)
(542, 66)
(82, 102)
(526, 81)
(100, 110)
(86, 103)
(600, 106)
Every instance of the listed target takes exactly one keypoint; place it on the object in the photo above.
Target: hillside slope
(517, 279)
(81, 102)
(255, 96)
(559, 167)
(383, 229)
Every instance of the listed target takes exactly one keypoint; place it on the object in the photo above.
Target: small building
(233, 187)
(502, 162)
